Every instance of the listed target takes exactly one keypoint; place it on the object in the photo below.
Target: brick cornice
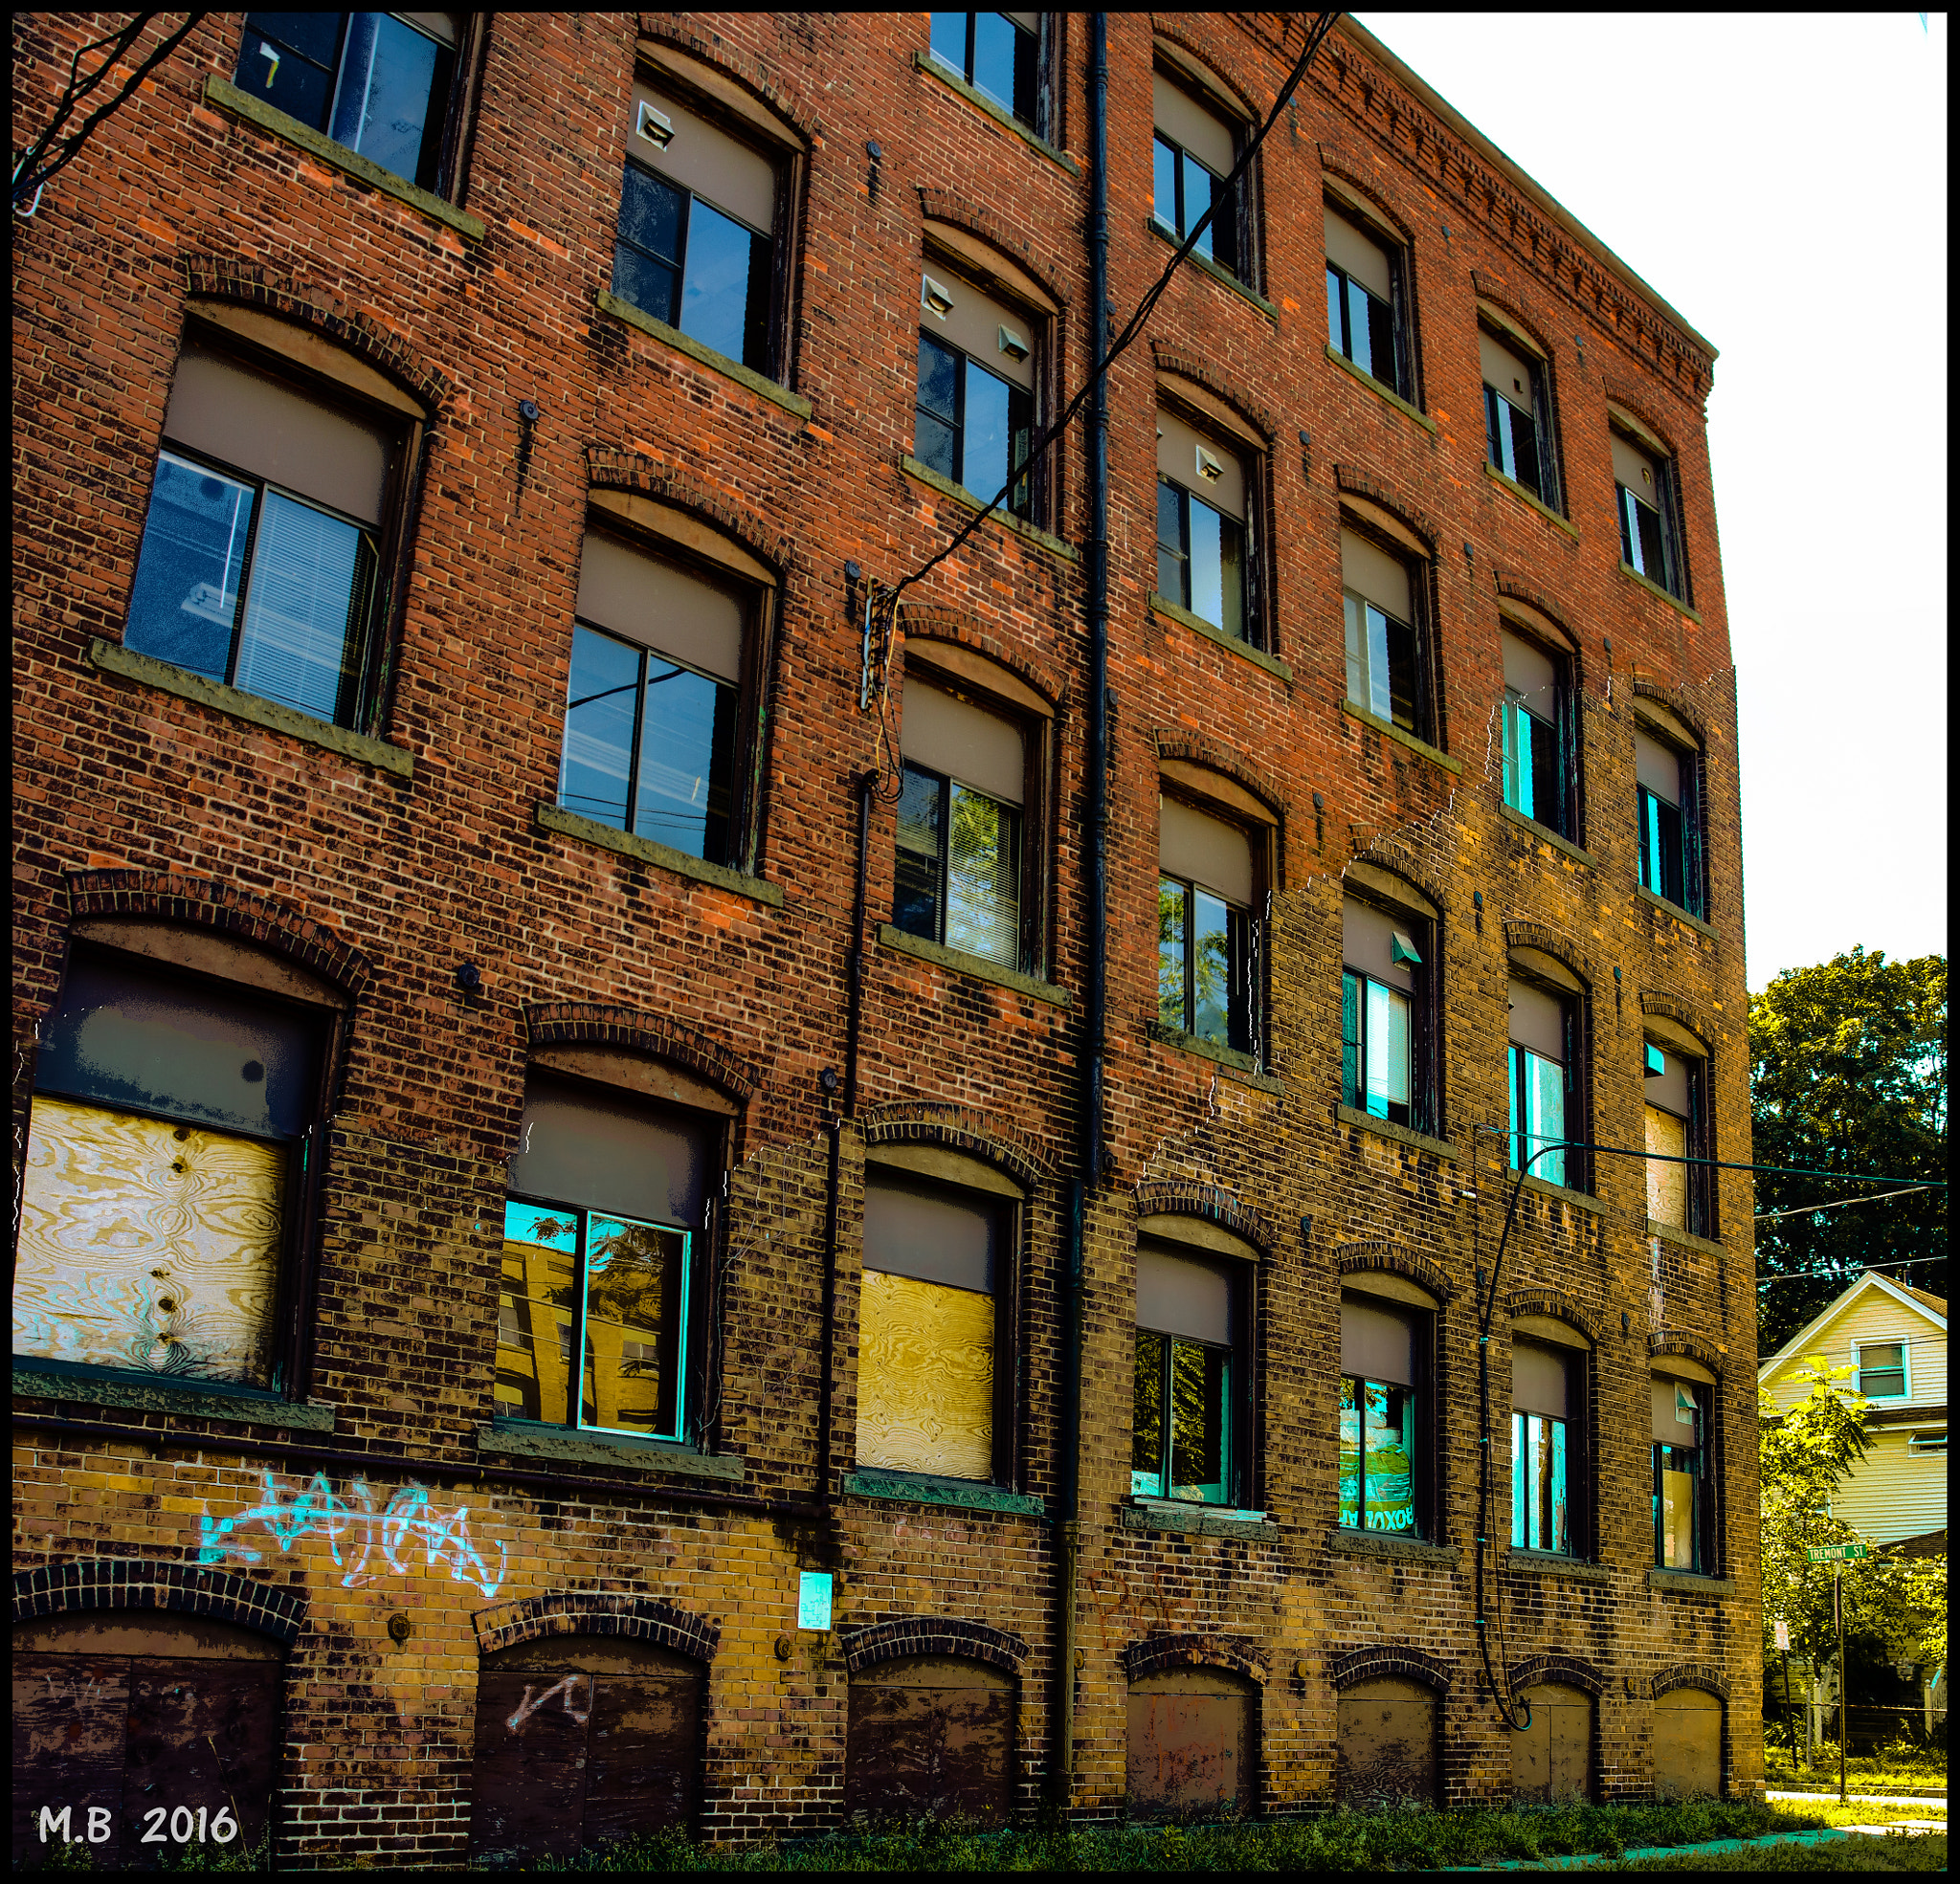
(1557, 1303)
(649, 1619)
(598, 1023)
(1684, 1012)
(941, 624)
(136, 1583)
(1521, 932)
(1178, 743)
(1373, 1662)
(1364, 483)
(1568, 1669)
(959, 1128)
(610, 468)
(1194, 1650)
(1384, 1253)
(1173, 359)
(1705, 1675)
(678, 31)
(1224, 1207)
(931, 1635)
(1663, 1341)
(961, 211)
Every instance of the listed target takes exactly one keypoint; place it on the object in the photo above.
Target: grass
(1904, 1768)
(1854, 1813)
(1893, 1853)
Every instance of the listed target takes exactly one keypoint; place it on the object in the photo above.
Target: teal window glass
(1376, 1048)
(1541, 1518)
(1538, 1114)
(1531, 781)
(1181, 1436)
(1378, 1455)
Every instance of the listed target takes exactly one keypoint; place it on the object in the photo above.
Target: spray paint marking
(527, 1707)
(353, 1527)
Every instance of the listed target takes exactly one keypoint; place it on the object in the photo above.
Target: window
(1643, 488)
(1668, 801)
(655, 740)
(171, 1146)
(1201, 526)
(604, 1258)
(379, 83)
(930, 1328)
(696, 230)
(1680, 1475)
(1207, 943)
(960, 837)
(999, 54)
(1544, 1459)
(1681, 1195)
(1536, 742)
(1365, 301)
(975, 416)
(1186, 1438)
(1882, 1370)
(1540, 1080)
(260, 552)
(1517, 428)
(1929, 1443)
(1195, 152)
(1382, 1454)
(1384, 1014)
(1385, 668)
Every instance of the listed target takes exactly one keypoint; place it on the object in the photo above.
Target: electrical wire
(1843, 1203)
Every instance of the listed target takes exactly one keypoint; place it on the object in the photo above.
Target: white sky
(1781, 179)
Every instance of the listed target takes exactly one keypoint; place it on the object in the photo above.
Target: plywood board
(203, 1735)
(69, 1715)
(528, 1785)
(1551, 1761)
(1687, 1744)
(1189, 1752)
(645, 1756)
(1385, 1747)
(925, 1378)
(932, 1752)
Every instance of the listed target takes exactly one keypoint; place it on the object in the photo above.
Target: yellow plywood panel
(924, 1376)
(1667, 1193)
(148, 1245)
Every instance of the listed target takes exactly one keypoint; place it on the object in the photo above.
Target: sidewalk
(1862, 1798)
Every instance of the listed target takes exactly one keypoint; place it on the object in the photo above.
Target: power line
(1843, 1275)
(1843, 1203)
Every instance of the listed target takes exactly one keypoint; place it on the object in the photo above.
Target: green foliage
(1895, 1851)
(1848, 1071)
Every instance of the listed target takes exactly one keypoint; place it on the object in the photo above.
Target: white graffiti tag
(527, 1707)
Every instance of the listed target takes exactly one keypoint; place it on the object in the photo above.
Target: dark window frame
(1707, 1533)
(1692, 838)
(1667, 535)
(1698, 1137)
(1425, 1017)
(1581, 1375)
(1021, 501)
(1400, 305)
(1425, 1478)
(1255, 609)
(1575, 1015)
(1565, 732)
(1241, 1423)
(1241, 219)
(1550, 489)
(1041, 95)
(1427, 668)
(1262, 842)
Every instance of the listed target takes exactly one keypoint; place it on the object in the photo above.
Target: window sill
(1382, 1128)
(1375, 387)
(569, 824)
(1545, 833)
(963, 1495)
(531, 1439)
(1688, 1583)
(351, 163)
(112, 657)
(1675, 910)
(1686, 1238)
(1389, 730)
(1389, 1544)
(1244, 1065)
(1245, 651)
(978, 966)
(1196, 1520)
(1667, 595)
(947, 488)
(1564, 1194)
(747, 377)
(1555, 1564)
(1518, 490)
(925, 63)
(1224, 277)
(144, 1393)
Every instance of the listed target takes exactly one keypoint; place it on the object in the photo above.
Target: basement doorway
(1551, 1761)
(1190, 1744)
(930, 1736)
(1385, 1743)
(1687, 1744)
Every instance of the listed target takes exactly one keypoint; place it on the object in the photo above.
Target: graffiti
(355, 1529)
(525, 1708)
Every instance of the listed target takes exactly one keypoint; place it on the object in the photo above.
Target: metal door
(1385, 1747)
(1553, 1758)
(1687, 1744)
(930, 1736)
(1190, 1741)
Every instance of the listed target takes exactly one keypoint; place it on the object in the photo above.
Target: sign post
(1838, 1554)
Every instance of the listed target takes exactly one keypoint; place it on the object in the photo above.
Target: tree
(1848, 1073)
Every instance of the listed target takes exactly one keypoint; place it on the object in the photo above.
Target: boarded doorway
(1385, 1748)
(1687, 1744)
(931, 1736)
(144, 1716)
(1190, 1744)
(1551, 1761)
(582, 1741)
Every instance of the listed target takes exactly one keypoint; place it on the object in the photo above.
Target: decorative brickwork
(682, 31)
(1183, 1650)
(608, 469)
(661, 1036)
(1375, 1664)
(961, 211)
(1214, 1206)
(1401, 860)
(1569, 1670)
(1520, 588)
(1383, 1252)
(1691, 1347)
(1218, 757)
(1557, 1303)
(958, 1129)
(1705, 1675)
(931, 1635)
(1673, 1006)
(1194, 367)
(1693, 713)
(1521, 933)
(939, 623)
(597, 1612)
(1222, 62)
(1364, 483)
(138, 1583)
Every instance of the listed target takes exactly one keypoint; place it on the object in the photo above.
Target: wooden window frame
(1425, 1474)
(1674, 576)
(1242, 1485)
(1566, 724)
(1707, 1483)
(1420, 566)
(1175, 66)
(1425, 1008)
(1254, 462)
(1545, 427)
(1226, 802)
(1395, 248)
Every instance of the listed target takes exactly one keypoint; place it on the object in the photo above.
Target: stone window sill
(981, 970)
(557, 1445)
(1224, 277)
(963, 1495)
(746, 377)
(150, 1393)
(569, 824)
(1244, 650)
(1545, 835)
(1196, 1520)
(1244, 1065)
(1380, 392)
(1652, 587)
(1562, 1194)
(1675, 910)
(953, 82)
(1382, 1128)
(1688, 1583)
(1389, 1544)
(1517, 490)
(947, 488)
(1550, 1563)
(349, 163)
(112, 657)
(1672, 1233)
(1389, 730)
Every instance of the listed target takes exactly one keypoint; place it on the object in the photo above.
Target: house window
(1382, 1448)
(1365, 301)
(1206, 973)
(1882, 1370)
(1517, 431)
(1384, 1014)
(1679, 1194)
(696, 230)
(1190, 1383)
(172, 1135)
(1540, 1079)
(1644, 493)
(959, 827)
(1681, 1475)
(930, 1328)
(260, 550)
(1201, 526)
(1536, 707)
(1195, 152)
(1667, 798)
(1929, 1443)
(1385, 669)
(604, 1246)
(975, 416)
(1544, 1459)
(999, 54)
(378, 83)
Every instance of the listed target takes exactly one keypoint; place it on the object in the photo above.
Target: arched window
(1552, 1449)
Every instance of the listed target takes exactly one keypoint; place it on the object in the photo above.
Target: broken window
(1541, 1077)
(931, 1736)
(1516, 419)
(1667, 797)
(1188, 1380)
(974, 420)
(1382, 1013)
(1193, 154)
(1378, 602)
(1680, 1193)
(1201, 526)
(1644, 491)
(1206, 974)
(1381, 1444)
(1364, 298)
(999, 54)
(1882, 1370)
(1681, 1500)
(1543, 1456)
(1535, 739)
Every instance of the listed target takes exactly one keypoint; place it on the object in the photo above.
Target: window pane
(1163, 201)
(939, 379)
(990, 433)
(1350, 1040)
(387, 72)
(1523, 448)
(994, 54)
(650, 286)
(1670, 880)
(1384, 1038)
(715, 294)
(1546, 797)
(1232, 577)
(1147, 1425)
(309, 577)
(1379, 701)
(916, 890)
(1521, 1485)
(186, 596)
(1381, 340)
(598, 727)
(1557, 1521)
(1518, 792)
(1544, 1111)
(1675, 1515)
(1360, 329)
(1387, 1438)
(1207, 585)
(635, 1327)
(1354, 612)
(1172, 549)
(1398, 1056)
(1652, 562)
(1350, 1453)
(1399, 648)
(1173, 916)
(686, 760)
(949, 39)
(1197, 200)
(651, 213)
(982, 879)
(1212, 967)
(1200, 1444)
(535, 1313)
(936, 445)
(1667, 1183)
(287, 60)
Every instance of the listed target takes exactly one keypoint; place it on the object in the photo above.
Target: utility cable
(1844, 1203)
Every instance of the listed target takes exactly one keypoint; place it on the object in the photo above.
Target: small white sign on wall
(813, 1599)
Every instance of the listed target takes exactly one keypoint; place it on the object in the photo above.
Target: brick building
(497, 879)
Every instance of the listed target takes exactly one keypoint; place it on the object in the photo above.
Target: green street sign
(1835, 1553)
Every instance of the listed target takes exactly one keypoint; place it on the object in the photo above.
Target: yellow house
(1896, 1338)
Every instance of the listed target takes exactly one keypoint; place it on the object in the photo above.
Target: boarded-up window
(1191, 1741)
(582, 1741)
(1551, 1760)
(1687, 1744)
(126, 1714)
(930, 1736)
(1384, 1745)
(1667, 1182)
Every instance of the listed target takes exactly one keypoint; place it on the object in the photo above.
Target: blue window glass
(999, 57)
(1164, 184)
(972, 425)
(1184, 191)
(189, 574)
(646, 261)
(685, 262)
(387, 95)
(310, 575)
(1538, 1114)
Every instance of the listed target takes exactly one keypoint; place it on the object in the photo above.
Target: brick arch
(1560, 1306)
(1399, 860)
(1374, 1663)
(1705, 1675)
(1631, 398)
(1174, 27)
(1336, 160)
(1383, 1252)
(959, 1128)
(608, 468)
(649, 1619)
(1186, 1650)
(1364, 483)
(1568, 1669)
(1663, 1341)
(206, 903)
(1675, 700)
(1214, 1203)
(671, 29)
(940, 623)
(1684, 1013)
(135, 1583)
(1175, 360)
(1520, 590)
(1499, 296)
(931, 1635)
(962, 212)
(1176, 743)
(225, 278)
(598, 1023)
(1524, 933)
